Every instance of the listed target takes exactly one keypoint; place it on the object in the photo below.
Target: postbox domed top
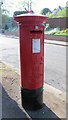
(23, 18)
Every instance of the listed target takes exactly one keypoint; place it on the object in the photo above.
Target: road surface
(54, 60)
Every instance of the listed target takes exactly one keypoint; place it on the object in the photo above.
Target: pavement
(54, 99)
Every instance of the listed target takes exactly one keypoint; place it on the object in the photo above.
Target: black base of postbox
(32, 99)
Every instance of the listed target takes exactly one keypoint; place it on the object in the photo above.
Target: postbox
(31, 34)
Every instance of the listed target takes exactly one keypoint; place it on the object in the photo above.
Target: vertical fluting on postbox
(31, 31)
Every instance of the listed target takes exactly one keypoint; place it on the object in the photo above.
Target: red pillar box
(31, 30)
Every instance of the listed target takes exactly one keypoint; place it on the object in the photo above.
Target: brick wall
(58, 22)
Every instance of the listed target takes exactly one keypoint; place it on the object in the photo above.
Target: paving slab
(54, 99)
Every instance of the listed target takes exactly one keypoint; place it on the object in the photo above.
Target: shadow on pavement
(43, 114)
(10, 108)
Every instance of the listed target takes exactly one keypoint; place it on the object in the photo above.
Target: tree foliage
(5, 11)
(45, 11)
(63, 13)
(50, 15)
(60, 13)
(19, 12)
(5, 18)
